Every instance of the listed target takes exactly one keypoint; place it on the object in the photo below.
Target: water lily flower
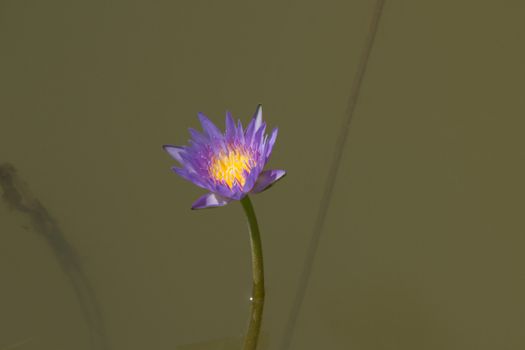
(229, 165)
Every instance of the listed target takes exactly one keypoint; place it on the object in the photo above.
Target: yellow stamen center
(228, 167)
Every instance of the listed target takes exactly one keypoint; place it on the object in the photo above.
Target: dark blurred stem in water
(332, 175)
(18, 197)
(257, 299)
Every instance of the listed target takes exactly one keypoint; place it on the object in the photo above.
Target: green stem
(257, 299)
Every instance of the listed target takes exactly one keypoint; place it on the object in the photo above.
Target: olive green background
(423, 243)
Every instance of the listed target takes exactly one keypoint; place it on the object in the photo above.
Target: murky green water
(422, 244)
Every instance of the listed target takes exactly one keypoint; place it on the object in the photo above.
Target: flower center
(229, 167)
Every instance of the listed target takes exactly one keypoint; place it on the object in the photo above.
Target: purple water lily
(229, 165)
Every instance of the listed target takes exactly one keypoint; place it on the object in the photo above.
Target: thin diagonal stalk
(18, 196)
(257, 299)
(331, 178)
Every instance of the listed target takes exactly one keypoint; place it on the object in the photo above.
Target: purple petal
(271, 142)
(175, 152)
(210, 200)
(194, 178)
(197, 136)
(239, 133)
(250, 179)
(191, 177)
(258, 118)
(258, 137)
(250, 130)
(266, 179)
(222, 190)
(236, 192)
(230, 127)
(254, 125)
(209, 128)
